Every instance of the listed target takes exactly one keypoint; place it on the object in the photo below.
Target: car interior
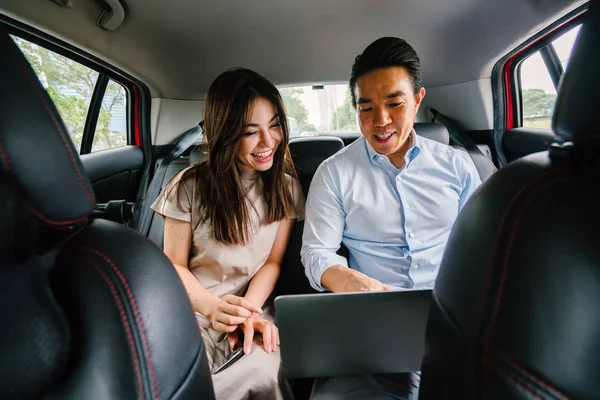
(102, 104)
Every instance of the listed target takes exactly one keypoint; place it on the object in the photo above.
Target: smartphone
(236, 355)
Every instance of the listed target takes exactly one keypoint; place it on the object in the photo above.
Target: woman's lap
(254, 376)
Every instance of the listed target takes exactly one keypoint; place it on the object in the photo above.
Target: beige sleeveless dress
(227, 269)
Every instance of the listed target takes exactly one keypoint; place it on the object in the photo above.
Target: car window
(318, 110)
(538, 91)
(564, 46)
(71, 86)
(111, 128)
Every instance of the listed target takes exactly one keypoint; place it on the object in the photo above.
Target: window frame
(135, 91)
(505, 79)
(543, 44)
(551, 60)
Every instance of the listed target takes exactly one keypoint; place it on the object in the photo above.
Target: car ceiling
(178, 47)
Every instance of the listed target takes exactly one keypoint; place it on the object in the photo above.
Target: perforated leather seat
(89, 308)
(515, 310)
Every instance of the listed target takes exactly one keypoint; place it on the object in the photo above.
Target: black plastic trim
(553, 65)
(520, 142)
(91, 120)
(103, 164)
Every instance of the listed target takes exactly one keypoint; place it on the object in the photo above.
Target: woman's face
(261, 138)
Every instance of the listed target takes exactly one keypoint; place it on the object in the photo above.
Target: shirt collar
(411, 154)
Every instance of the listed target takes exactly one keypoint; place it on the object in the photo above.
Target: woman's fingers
(275, 337)
(248, 337)
(267, 335)
(231, 309)
(232, 339)
(229, 319)
(221, 327)
(242, 302)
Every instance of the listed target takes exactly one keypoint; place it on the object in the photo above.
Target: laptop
(335, 334)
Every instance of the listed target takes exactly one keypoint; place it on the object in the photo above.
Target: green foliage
(104, 138)
(294, 106)
(70, 86)
(537, 103)
(344, 118)
(73, 111)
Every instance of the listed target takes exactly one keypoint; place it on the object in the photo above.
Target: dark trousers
(403, 386)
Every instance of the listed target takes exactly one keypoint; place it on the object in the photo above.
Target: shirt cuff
(319, 261)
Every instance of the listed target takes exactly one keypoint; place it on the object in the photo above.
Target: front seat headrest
(35, 146)
(309, 152)
(433, 131)
(577, 103)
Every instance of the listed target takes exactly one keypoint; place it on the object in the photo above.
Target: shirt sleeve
(470, 180)
(167, 204)
(323, 228)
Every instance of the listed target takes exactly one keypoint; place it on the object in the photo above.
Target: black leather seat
(308, 153)
(515, 310)
(89, 308)
(433, 131)
(156, 231)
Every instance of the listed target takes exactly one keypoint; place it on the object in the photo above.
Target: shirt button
(398, 178)
(408, 206)
(411, 235)
(416, 266)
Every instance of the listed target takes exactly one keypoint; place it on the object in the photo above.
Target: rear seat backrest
(308, 153)
(157, 224)
(433, 131)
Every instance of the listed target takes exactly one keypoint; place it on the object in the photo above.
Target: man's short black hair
(387, 52)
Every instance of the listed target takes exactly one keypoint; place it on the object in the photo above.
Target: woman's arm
(261, 287)
(263, 282)
(224, 314)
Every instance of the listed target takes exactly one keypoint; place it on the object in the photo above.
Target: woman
(227, 224)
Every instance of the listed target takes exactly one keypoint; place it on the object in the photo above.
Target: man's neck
(398, 159)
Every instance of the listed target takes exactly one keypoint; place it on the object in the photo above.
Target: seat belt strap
(181, 143)
(484, 166)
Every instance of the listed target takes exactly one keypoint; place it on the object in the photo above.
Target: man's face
(386, 107)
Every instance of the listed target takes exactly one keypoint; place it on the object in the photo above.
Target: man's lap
(377, 387)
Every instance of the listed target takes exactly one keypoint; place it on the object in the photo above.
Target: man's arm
(323, 231)
(470, 180)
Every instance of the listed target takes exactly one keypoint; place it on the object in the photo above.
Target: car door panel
(114, 173)
(519, 142)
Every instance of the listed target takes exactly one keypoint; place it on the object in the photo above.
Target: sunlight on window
(319, 110)
(69, 84)
(538, 94)
(564, 46)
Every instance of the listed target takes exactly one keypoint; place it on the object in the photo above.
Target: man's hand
(338, 278)
(270, 334)
(230, 312)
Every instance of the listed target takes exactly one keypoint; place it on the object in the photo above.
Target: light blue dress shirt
(395, 222)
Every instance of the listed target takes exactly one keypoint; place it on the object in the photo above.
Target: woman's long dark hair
(218, 180)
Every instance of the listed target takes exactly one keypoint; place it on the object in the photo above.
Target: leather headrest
(309, 152)
(433, 131)
(577, 104)
(35, 146)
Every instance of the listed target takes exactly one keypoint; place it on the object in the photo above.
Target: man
(390, 197)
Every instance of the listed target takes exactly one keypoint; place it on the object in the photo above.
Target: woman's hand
(270, 334)
(231, 311)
